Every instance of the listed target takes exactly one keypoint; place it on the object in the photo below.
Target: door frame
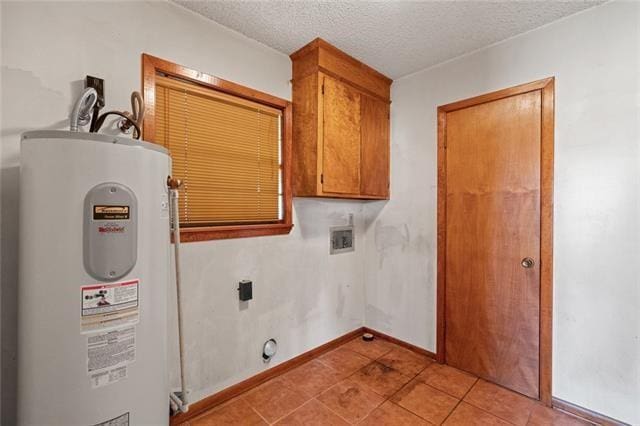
(547, 89)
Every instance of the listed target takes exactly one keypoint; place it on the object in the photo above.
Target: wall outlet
(98, 84)
(245, 290)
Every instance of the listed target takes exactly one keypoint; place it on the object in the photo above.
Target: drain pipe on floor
(179, 401)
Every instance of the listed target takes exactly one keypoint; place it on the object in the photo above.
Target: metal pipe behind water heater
(179, 401)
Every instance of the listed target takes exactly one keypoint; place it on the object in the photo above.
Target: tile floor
(380, 383)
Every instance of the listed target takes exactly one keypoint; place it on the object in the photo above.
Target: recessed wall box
(341, 240)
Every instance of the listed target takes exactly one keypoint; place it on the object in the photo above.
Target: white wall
(595, 58)
(302, 297)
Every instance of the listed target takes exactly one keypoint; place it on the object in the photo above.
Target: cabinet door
(374, 118)
(341, 138)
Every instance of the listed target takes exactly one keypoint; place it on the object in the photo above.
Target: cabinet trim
(320, 56)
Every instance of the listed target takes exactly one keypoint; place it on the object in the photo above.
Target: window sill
(189, 235)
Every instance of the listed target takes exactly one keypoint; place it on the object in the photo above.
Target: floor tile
(421, 392)
(468, 415)
(543, 416)
(312, 378)
(500, 402)
(405, 361)
(273, 399)
(313, 413)
(344, 361)
(390, 414)
(381, 379)
(425, 401)
(373, 349)
(448, 379)
(236, 412)
(352, 401)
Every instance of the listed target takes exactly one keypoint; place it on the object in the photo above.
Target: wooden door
(492, 311)
(341, 137)
(374, 119)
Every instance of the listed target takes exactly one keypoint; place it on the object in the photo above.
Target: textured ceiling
(395, 37)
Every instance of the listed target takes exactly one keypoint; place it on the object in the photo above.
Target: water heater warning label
(108, 355)
(108, 377)
(109, 305)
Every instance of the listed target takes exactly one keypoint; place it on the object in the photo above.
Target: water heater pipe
(182, 400)
(81, 112)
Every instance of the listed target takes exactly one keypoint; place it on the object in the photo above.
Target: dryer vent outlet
(269, 350)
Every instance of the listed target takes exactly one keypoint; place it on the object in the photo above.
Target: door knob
(527, 262)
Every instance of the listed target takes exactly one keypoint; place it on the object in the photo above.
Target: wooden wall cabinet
(340, 125)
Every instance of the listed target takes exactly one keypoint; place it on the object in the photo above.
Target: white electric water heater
(94, 270)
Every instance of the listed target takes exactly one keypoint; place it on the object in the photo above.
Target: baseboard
(585, 413)
(224, 395)
(399, 342)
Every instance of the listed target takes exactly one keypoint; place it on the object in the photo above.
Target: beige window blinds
(226, 150)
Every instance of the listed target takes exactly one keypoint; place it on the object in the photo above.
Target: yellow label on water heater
(110, 212)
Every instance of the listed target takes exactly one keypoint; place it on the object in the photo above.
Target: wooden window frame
(547, 91)
(151, 66)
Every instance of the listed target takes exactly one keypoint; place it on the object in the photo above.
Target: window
(230, 146)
